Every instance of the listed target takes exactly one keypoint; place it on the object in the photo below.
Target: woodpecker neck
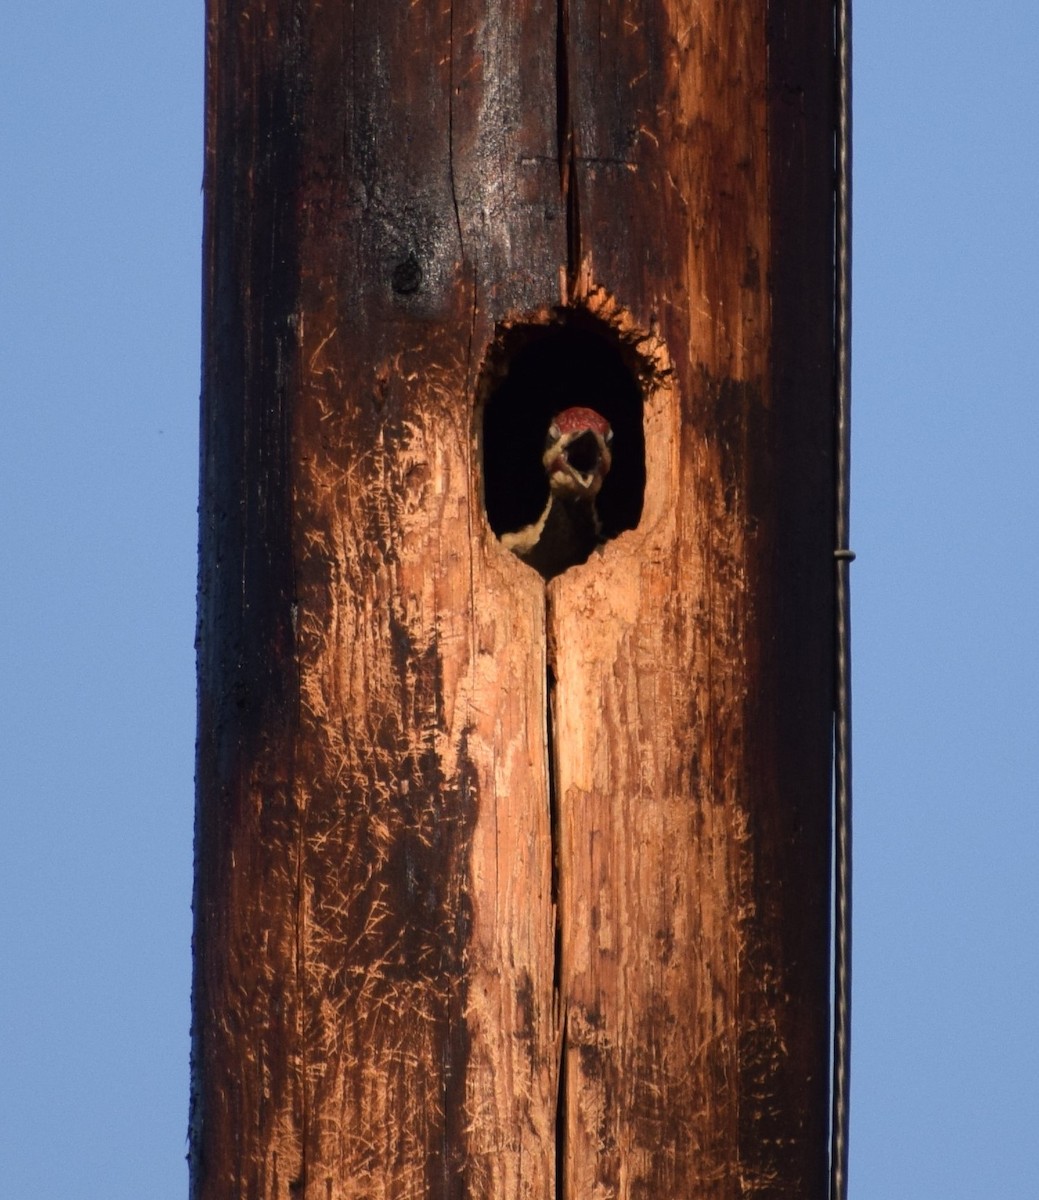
(566, 533)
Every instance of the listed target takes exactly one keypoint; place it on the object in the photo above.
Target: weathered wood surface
(380, 999)
(693, 692)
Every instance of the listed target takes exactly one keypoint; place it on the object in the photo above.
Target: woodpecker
(577, 459)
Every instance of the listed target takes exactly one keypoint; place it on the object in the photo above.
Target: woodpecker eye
(553, 435)
(608, 439)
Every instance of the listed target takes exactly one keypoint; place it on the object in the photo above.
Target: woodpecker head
(577, 454)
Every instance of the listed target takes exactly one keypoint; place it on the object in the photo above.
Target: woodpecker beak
(577, 454)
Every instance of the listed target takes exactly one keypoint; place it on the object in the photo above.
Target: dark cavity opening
(532, 373)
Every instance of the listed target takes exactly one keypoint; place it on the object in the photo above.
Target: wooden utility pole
(507, 889)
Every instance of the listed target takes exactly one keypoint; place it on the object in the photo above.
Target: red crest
(577, 420)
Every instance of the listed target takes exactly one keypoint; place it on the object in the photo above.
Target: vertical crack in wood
(451, 126)
(564, 130)
(565, 143)
(560, 1147)
(555, 826)
(553, 817)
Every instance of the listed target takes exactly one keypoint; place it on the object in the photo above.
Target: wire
(843, 557)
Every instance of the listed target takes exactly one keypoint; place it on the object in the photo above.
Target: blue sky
(100, 214)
